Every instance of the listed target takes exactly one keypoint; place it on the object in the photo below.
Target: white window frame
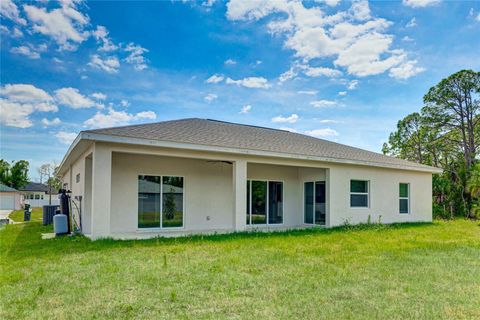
(359, 193)
(249, 181)
(161, 228)
(404, 198)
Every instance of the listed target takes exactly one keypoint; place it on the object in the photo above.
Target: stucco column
(101, 191)
(239, 194)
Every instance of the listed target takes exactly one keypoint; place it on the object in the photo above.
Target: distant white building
(37, 195)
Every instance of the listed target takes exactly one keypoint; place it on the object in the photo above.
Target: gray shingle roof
(231, 135)
(5, 188)
(35, 186)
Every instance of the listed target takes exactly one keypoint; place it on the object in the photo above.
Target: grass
(17, 215)
(422, 271)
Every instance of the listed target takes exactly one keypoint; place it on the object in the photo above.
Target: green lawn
(17, 215)
(422, 271)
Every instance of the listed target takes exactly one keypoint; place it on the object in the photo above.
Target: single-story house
(202, 176)
(10, 198)
(38, 194)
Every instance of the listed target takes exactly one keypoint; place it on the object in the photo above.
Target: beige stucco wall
(208, 195)
(210, 202)
(384, 195)
(78, 188)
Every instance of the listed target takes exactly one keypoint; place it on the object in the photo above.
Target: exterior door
(314, 202)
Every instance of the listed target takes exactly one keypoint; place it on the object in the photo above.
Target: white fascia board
(69, 151)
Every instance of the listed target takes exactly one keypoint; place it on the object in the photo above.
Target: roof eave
(91, 136)
(63, 167)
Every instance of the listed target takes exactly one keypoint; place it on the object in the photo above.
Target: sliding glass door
(264, 202)
(314, 202)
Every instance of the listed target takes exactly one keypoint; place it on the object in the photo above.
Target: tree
(454, 105)
(409, 141)
(14, 175)
(4, 172)
(169, 204)
(445, 134)
(48, 171)
(474, 189)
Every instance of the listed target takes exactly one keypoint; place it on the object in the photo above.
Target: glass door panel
(259, 202)
(308, 204)
(320, 202)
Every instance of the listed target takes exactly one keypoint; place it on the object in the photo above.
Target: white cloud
(309, 92)
(321, 133)
(407, 39)
(15, 114)
(288, 129)
(4, 30)
(53, 122)
(412, 23)
(342, 93)
(215, 79)
(64, 25)
(19, 101)
(246, 109)
(136, 57)
(9, 10)
(25, 51)
(352, 85)
(287, 75)
(250, 82)
(360, 10)
(208, 3)
(290, 119)
(99, 96)
(66, 137)
(475, 16)
(406, 70)
(210, 97)
(320, 71)
(230, 62)
(354, 39)
(329, 121)
(101, 35)
(124, 103)
(16, 33)
(332, 3)
(72, 98)
(24, 93)
(420, 3)
(323, 103)
(109, 64)
(117, 118)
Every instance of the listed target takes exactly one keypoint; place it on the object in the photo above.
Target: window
(404, 193)
(37, 197)
(314, 202)
(157, 195)
(77, 178)
(264, 202)
(359, 190)
(172, 209)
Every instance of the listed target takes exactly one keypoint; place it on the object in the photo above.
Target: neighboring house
(9, 198)
(202, 176)
(37, 194)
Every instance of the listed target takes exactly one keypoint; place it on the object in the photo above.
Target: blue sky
(343, 71)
